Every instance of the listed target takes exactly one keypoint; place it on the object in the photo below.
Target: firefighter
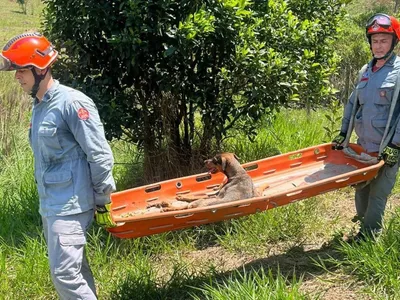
(72, 162)
(375, 90)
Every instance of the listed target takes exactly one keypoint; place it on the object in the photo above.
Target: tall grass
(14, 122)
(375, 261)
(253, 285)
(288, 131)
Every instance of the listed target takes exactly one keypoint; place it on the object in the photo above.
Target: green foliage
(353, 48)
(376, 262)
(333, 118)
(289, 130)
(13, 118)
(157, 67)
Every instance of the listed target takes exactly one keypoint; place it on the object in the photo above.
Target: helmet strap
(38, 80)
(385, 56)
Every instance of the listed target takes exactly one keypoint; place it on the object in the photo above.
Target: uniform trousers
(70, 272)
(371, 199)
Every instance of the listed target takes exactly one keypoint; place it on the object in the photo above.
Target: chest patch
(83, 113)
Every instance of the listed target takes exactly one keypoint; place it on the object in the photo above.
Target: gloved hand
(338, 141)
(103, 216)
(390, 154)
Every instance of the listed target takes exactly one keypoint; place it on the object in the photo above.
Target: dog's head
(219, 162)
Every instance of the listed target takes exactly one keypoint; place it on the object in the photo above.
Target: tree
(176, 77)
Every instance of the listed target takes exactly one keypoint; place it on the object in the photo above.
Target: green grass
(375, 262)
(252, 284)
(13, 21)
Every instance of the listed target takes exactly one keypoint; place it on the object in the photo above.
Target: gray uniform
(73, 172)
(375, 91)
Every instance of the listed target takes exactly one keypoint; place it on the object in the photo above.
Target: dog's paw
(177, 205)
(195, 204)
(202, 203)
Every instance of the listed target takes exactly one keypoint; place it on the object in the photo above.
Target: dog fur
(238, 186)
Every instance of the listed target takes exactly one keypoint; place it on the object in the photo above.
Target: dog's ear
(236, 157)
(217, 159)
(223, 163)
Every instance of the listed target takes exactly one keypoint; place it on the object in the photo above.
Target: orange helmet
(382, 23)
(27, 50)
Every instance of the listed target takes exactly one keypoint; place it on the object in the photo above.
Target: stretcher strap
(363, 157)
(354, 108)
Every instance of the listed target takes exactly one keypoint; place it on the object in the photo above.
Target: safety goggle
(380, 19)
(8, 65)
(5, 63)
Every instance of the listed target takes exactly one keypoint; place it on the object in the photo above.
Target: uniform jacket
(375, 91)
(73, 161)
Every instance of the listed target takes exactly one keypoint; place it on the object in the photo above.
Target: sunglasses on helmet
(5, 63)
(380, 19)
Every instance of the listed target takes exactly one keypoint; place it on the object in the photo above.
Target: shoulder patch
(83, 113)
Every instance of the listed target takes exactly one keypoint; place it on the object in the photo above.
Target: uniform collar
(49, 93)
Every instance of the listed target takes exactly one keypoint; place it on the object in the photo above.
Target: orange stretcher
(291, 177)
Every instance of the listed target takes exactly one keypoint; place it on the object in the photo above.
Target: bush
(177, 76)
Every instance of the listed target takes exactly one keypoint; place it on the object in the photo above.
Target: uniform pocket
(379, 126)
(59, 189)
(48, 135)
(48, 141)
(385, 94)
(58, 178)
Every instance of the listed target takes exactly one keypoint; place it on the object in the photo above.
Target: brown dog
(239, 184)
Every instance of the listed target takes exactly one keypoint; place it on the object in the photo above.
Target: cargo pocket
(70, 255)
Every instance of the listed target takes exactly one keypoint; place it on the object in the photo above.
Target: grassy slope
(14, 22)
